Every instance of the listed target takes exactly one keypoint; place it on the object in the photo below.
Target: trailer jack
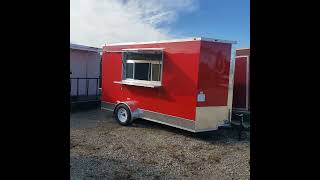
(241, 126)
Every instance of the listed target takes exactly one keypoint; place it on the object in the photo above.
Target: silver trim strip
(161, 66)
(109, 102)
(177, 122)
(168, 115)
(231, 82)
(107, 105)
(174, 40)
(123, 68)
(168, 124)
(182, 123)
(107, 109)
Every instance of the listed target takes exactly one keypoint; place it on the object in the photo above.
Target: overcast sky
(96, 22)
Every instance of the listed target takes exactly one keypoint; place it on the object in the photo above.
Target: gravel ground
(100, 148)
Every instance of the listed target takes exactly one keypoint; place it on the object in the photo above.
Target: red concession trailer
(181, 83)
(241, 88)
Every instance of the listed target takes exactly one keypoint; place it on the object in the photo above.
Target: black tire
(124, 120)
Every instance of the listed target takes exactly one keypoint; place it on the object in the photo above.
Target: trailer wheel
(123, 115)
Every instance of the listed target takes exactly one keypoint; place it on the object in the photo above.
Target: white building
(84, 65)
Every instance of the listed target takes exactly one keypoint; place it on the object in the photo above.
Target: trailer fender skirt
(132, 105)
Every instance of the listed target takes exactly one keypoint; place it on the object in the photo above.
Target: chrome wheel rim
(122, 115)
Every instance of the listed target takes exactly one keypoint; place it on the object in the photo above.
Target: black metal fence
(90, 84)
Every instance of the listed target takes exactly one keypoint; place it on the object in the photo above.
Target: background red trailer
(241, 88)
(186, 83)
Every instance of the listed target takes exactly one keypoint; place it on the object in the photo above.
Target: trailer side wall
(177, 95)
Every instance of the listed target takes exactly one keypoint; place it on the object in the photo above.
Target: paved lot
(102, 149)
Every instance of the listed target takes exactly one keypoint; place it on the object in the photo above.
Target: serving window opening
(142, 67)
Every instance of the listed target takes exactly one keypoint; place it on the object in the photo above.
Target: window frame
(135, 61)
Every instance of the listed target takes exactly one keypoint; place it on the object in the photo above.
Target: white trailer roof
(174, 40)
(143, 49)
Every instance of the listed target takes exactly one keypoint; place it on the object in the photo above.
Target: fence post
(77, 87)
(87, 84)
